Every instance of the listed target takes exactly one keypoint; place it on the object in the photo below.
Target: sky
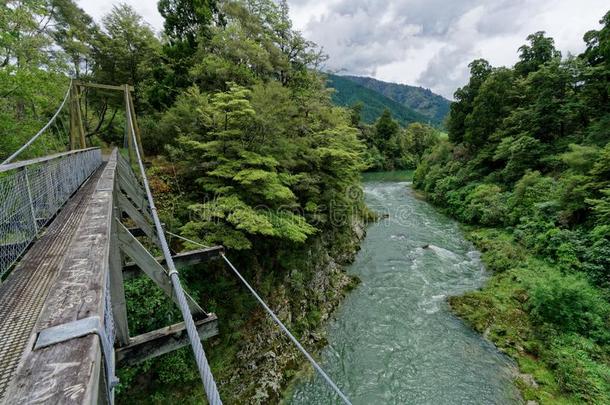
(426, 43)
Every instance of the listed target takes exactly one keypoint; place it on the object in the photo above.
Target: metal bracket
(79, 328)
(67, 331)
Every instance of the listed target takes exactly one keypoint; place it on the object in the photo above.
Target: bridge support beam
(132, 270)
(77, 130)
(147, 262)
(127, 207)
(161, 341)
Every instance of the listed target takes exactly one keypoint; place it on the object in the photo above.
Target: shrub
(571, 304)
(531, 197)
(486, 205)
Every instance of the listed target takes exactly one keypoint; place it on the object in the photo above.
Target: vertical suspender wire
(204, 368)
(47, 125)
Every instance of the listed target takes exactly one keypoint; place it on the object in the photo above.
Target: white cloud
(373, 38)
(421, 42)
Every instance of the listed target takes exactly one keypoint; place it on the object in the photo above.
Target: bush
(500, 252)
(570, 304)
(486, 205)
(531, 197)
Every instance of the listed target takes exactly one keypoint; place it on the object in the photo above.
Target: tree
(540, 51)
(386, 127)
(493, 102)
(126, 49)
(32, 70)
(464, 98)
(187, 21)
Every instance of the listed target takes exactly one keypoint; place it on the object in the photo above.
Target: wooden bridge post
(128, 126)
(79, 119)
(136, 127)
(73, 125)
(77, 131)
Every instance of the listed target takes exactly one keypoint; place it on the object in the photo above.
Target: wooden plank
(103, 86)
(68, 372)
(133, 187)
(131, 270)
(126, 170)
(161, 341)
(23, 294)
(149, 265)
(126, 206)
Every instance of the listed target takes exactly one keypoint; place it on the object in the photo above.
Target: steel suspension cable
(202, 363)
(277, 320)
(47, 125)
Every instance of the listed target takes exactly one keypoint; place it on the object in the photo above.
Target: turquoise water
(393, 340)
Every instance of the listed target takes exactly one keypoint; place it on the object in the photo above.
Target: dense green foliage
(349, 93)
(32, 83)
(529, 151)
(391, 147)
(434, 107)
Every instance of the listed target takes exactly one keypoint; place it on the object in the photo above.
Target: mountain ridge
(348, 93)
(419, 99)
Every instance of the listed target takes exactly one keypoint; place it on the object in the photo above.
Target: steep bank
(527, 163)
(304, 299)
(251, 359)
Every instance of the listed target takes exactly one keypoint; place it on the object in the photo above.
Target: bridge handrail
(17, 165)
(31, 193)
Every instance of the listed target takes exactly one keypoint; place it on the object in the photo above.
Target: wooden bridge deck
(23, 294)
(62, 304)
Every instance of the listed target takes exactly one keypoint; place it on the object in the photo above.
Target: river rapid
(394, 340)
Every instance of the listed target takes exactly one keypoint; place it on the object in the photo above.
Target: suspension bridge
(74, 226)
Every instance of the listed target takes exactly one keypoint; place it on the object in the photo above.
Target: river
(394, 340)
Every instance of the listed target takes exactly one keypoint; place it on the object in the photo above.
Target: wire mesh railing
(31, 193)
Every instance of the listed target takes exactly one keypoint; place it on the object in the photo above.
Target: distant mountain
(421, 100)
(348, 92)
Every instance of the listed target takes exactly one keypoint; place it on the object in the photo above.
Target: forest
(527, 166)
(246, 147)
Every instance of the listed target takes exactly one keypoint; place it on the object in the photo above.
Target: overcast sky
(427, 43)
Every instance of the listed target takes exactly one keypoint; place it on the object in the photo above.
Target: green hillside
(421, 100)
(349, 93)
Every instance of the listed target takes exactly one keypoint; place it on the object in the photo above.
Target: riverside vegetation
(527, 166)
(250, 152)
